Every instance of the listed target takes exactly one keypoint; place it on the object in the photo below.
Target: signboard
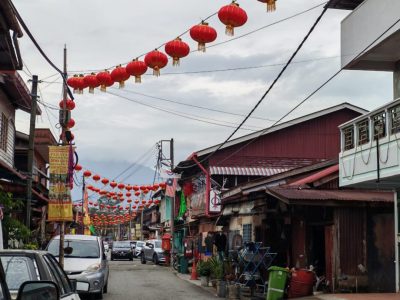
(60, 204)
(198, 197)
(215, 201)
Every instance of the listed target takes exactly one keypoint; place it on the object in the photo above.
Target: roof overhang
(18, 92)
(344, 4)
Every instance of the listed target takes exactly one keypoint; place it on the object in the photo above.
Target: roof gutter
(208, 182)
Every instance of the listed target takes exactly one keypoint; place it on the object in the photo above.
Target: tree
(13, 229)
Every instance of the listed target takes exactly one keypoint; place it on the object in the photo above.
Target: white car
(85, 261)
(138, 248)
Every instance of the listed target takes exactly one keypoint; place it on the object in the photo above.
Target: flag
(182, 206)
(171, 187)
(167, 174)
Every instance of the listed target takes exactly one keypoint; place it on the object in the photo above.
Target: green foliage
(204, 268)
(13, 228)
(31, 246)
(217, 268)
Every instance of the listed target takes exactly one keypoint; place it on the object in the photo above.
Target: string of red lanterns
(231, 16)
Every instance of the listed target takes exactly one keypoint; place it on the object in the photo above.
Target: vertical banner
(60, 203)
(86, 217)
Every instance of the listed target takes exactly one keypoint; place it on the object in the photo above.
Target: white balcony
(365, 24)
(370, 149)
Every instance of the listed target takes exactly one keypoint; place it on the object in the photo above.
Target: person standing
(220, 243)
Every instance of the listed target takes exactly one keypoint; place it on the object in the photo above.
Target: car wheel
(155, 259)
(142, 258)
(105, 288)
(112, 257)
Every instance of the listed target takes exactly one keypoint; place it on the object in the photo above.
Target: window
(3, 132)
(379, 125)
(395, 118)
(18, 269)
(247, 233)
(348, 136)
(79, 248)
(58, 274)
(363, 132)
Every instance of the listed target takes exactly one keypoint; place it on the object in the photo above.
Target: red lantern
(120, 75)
(81, 84)
(143, 187)
(232, 16)
(105, 80)
(128, 194)
(163, 185)
(120, 194)
(271, 5)
(69, 104)
(150, 201)
(177, 50)
(137, 201)
(203, 34)
(136, 68)
(128, 187)
(156, 186)
(129, 200)
(105, 181)
(73, 82)
(143, 201)
(121, 186)
(95, 204)
(135, 188)
(156, 60)
(134, 207)
(137, 194)
(121, 208)
(71, 123)
(92, 82)
(113, 184)
(96, 177)
(103, 192)
(146, 191)
(87, 173)
(78, 168)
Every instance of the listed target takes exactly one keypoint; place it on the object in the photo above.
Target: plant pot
(221, 289)
(214, 283)
(204, 281)
(233, 292)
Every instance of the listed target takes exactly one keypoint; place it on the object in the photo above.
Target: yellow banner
(60, 203)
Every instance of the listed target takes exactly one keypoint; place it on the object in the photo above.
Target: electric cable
(32, 38)
(216, 44)
(269, 88)
(140, 166)
(310, 95)
(186, 116)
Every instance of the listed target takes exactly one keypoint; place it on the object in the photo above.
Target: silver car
(138, 248)
(152, 251)
(85, 261)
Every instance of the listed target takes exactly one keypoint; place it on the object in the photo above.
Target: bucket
(301, 284)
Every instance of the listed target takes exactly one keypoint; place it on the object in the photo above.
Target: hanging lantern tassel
(138, 79)
(156, 71)
(121, 84)
(176, 61)
(271, 5)
(201, 47)
(229, 30)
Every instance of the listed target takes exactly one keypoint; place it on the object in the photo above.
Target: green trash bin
(183, 265)
(277, 283)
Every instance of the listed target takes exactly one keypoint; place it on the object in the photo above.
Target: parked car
(106, 247)
(29, 265)
(152, 251)
(122, 250)
(138, 248)
(84, 260)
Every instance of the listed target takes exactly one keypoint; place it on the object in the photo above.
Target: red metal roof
(243, 171)
(295, 194)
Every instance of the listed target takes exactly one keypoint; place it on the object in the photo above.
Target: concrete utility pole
(31, 150)
(171, 152)
(396, 81)
(396, 95)
(64, 142)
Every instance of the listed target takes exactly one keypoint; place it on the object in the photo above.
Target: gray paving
(132, 280)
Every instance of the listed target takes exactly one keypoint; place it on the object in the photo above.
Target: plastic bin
(301, 284)
(277, 283)
(183, 265)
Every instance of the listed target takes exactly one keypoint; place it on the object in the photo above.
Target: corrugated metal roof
(243, 171)
(293, 194)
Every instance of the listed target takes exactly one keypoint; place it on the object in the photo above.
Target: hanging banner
(86, 219)
(60, 203)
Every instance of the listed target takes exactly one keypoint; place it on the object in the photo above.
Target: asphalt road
(132, 280)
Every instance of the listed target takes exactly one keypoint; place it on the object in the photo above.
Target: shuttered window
(348, 135)
(395, 118)
(363, 132)
(3, 132)
(379, 125)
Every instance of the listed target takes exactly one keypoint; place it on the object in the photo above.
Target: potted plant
(217, 270)
(204, 270)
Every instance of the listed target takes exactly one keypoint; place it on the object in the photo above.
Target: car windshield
(139, 244)
(133, 244)
(157, 244)
(122, 245)
(76, 248)
(18, 269)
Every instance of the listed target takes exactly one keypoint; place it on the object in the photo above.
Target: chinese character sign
(60, 204)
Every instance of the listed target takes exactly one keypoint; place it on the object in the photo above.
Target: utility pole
(83, 203)
(64, 141)
(130, 221)
(171, 152)
(31, 150)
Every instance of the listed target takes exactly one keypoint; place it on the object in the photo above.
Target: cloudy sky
(113, 132)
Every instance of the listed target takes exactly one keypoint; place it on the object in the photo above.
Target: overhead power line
(269, 88)
(309, 96)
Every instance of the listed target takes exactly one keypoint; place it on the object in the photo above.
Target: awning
(311, 196)
(246, 171)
